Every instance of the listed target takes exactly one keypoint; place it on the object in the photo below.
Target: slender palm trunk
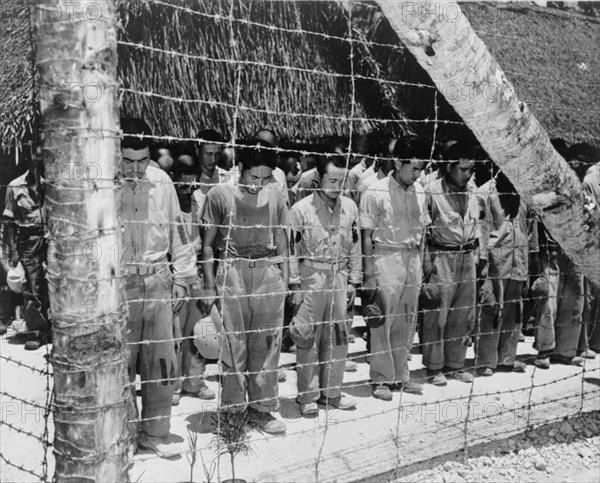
(440, 37)
(76, 59)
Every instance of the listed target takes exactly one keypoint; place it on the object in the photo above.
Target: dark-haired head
(136, 133)
(409, 148)
(581, 157)
(267, 135)
(209, 152)
(257, 160)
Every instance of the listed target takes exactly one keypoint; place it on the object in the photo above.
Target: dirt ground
(340, 446)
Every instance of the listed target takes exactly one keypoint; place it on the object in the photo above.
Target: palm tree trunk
(76, 59)
(440, 37)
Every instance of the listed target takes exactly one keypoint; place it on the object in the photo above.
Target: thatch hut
(295, 70)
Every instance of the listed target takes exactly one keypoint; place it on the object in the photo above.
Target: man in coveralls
(325, 266)
(153, 229)
(451, 263)
(510, 230)
(393, 217)
(244, 226)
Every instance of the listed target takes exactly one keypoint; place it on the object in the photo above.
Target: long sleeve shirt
(396, 215)
(326, 236)
(154, 226)
(509, 239)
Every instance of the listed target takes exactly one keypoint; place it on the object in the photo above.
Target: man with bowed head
(244, 227)
(153, 232)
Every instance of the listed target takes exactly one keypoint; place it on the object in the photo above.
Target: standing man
(325, 266)
(24, 242)
(393, 217)
(244, 226)
(191, 364)
(510, 230)
(451, 263)
(153, 231)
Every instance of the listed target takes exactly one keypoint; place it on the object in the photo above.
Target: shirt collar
(395, 185)
(320, 204)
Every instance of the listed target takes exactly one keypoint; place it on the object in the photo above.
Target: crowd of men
(273, 242)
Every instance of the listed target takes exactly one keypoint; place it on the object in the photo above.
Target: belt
(323, 265)
(255, 262)
(144, 270)
(395, 248)
(467, 247)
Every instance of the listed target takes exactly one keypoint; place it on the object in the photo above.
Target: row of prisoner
(268, 241)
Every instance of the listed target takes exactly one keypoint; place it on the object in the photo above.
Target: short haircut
(132, 128)
(180, 168)
(290, 162)
(255, 153)
(208, 136)
(460, 150)
(267, 135)
(338, 160)
(408, 148)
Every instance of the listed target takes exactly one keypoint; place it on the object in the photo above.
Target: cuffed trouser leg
(399, 279)
(454, 274)
(151, 320)
(510, 322)
(569, 311)
(32, 252)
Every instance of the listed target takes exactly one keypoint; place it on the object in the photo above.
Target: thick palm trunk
(76, 58)
(440, 37)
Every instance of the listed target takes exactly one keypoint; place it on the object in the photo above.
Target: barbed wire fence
(408, 417)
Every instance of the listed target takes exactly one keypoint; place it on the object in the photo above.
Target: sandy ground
(335, 446)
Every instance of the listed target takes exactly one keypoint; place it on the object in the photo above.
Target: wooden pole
(440, 37)
(76, 58)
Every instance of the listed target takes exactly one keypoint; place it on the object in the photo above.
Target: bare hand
(178, 293)
(209, 298)
(350, 296)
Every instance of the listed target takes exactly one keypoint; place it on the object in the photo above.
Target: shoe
(485, 371)
(519, 366)
(350, 366)
(410, 387)
(265, 421)
(343, 402)
(37, 342)
(203, 393)
(309, 409)
(175, 399)
(462, 376)
(163, 447)
(569, 361)
(588, 354)
(381, 391)
(542, 363)
(281, 376)
(438, 379)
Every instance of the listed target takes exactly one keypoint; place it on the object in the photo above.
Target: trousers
(190, 363)
(151, 319)
(32, 254)
(321, 367)
(252, 302)
(499, 336)
(446, 331)
(399, 276)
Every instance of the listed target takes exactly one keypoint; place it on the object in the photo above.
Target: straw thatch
(17, 109)
(551, 56)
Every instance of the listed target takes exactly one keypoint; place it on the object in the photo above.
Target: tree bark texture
(440, 37)
(76, 58)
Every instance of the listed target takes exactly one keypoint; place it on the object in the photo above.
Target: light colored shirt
(245, 230)
(198, 200)
(354, 174)
(21, 203)
(154, 226)
(449, 227)
(364, 183)
(326, 236)
(591, 184)
(509, 240)
(396, 216)
(230, 176)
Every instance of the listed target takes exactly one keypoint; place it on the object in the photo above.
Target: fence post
(76, 60)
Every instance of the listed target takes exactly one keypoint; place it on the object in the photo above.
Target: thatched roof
(551, 56)
(17, 108)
